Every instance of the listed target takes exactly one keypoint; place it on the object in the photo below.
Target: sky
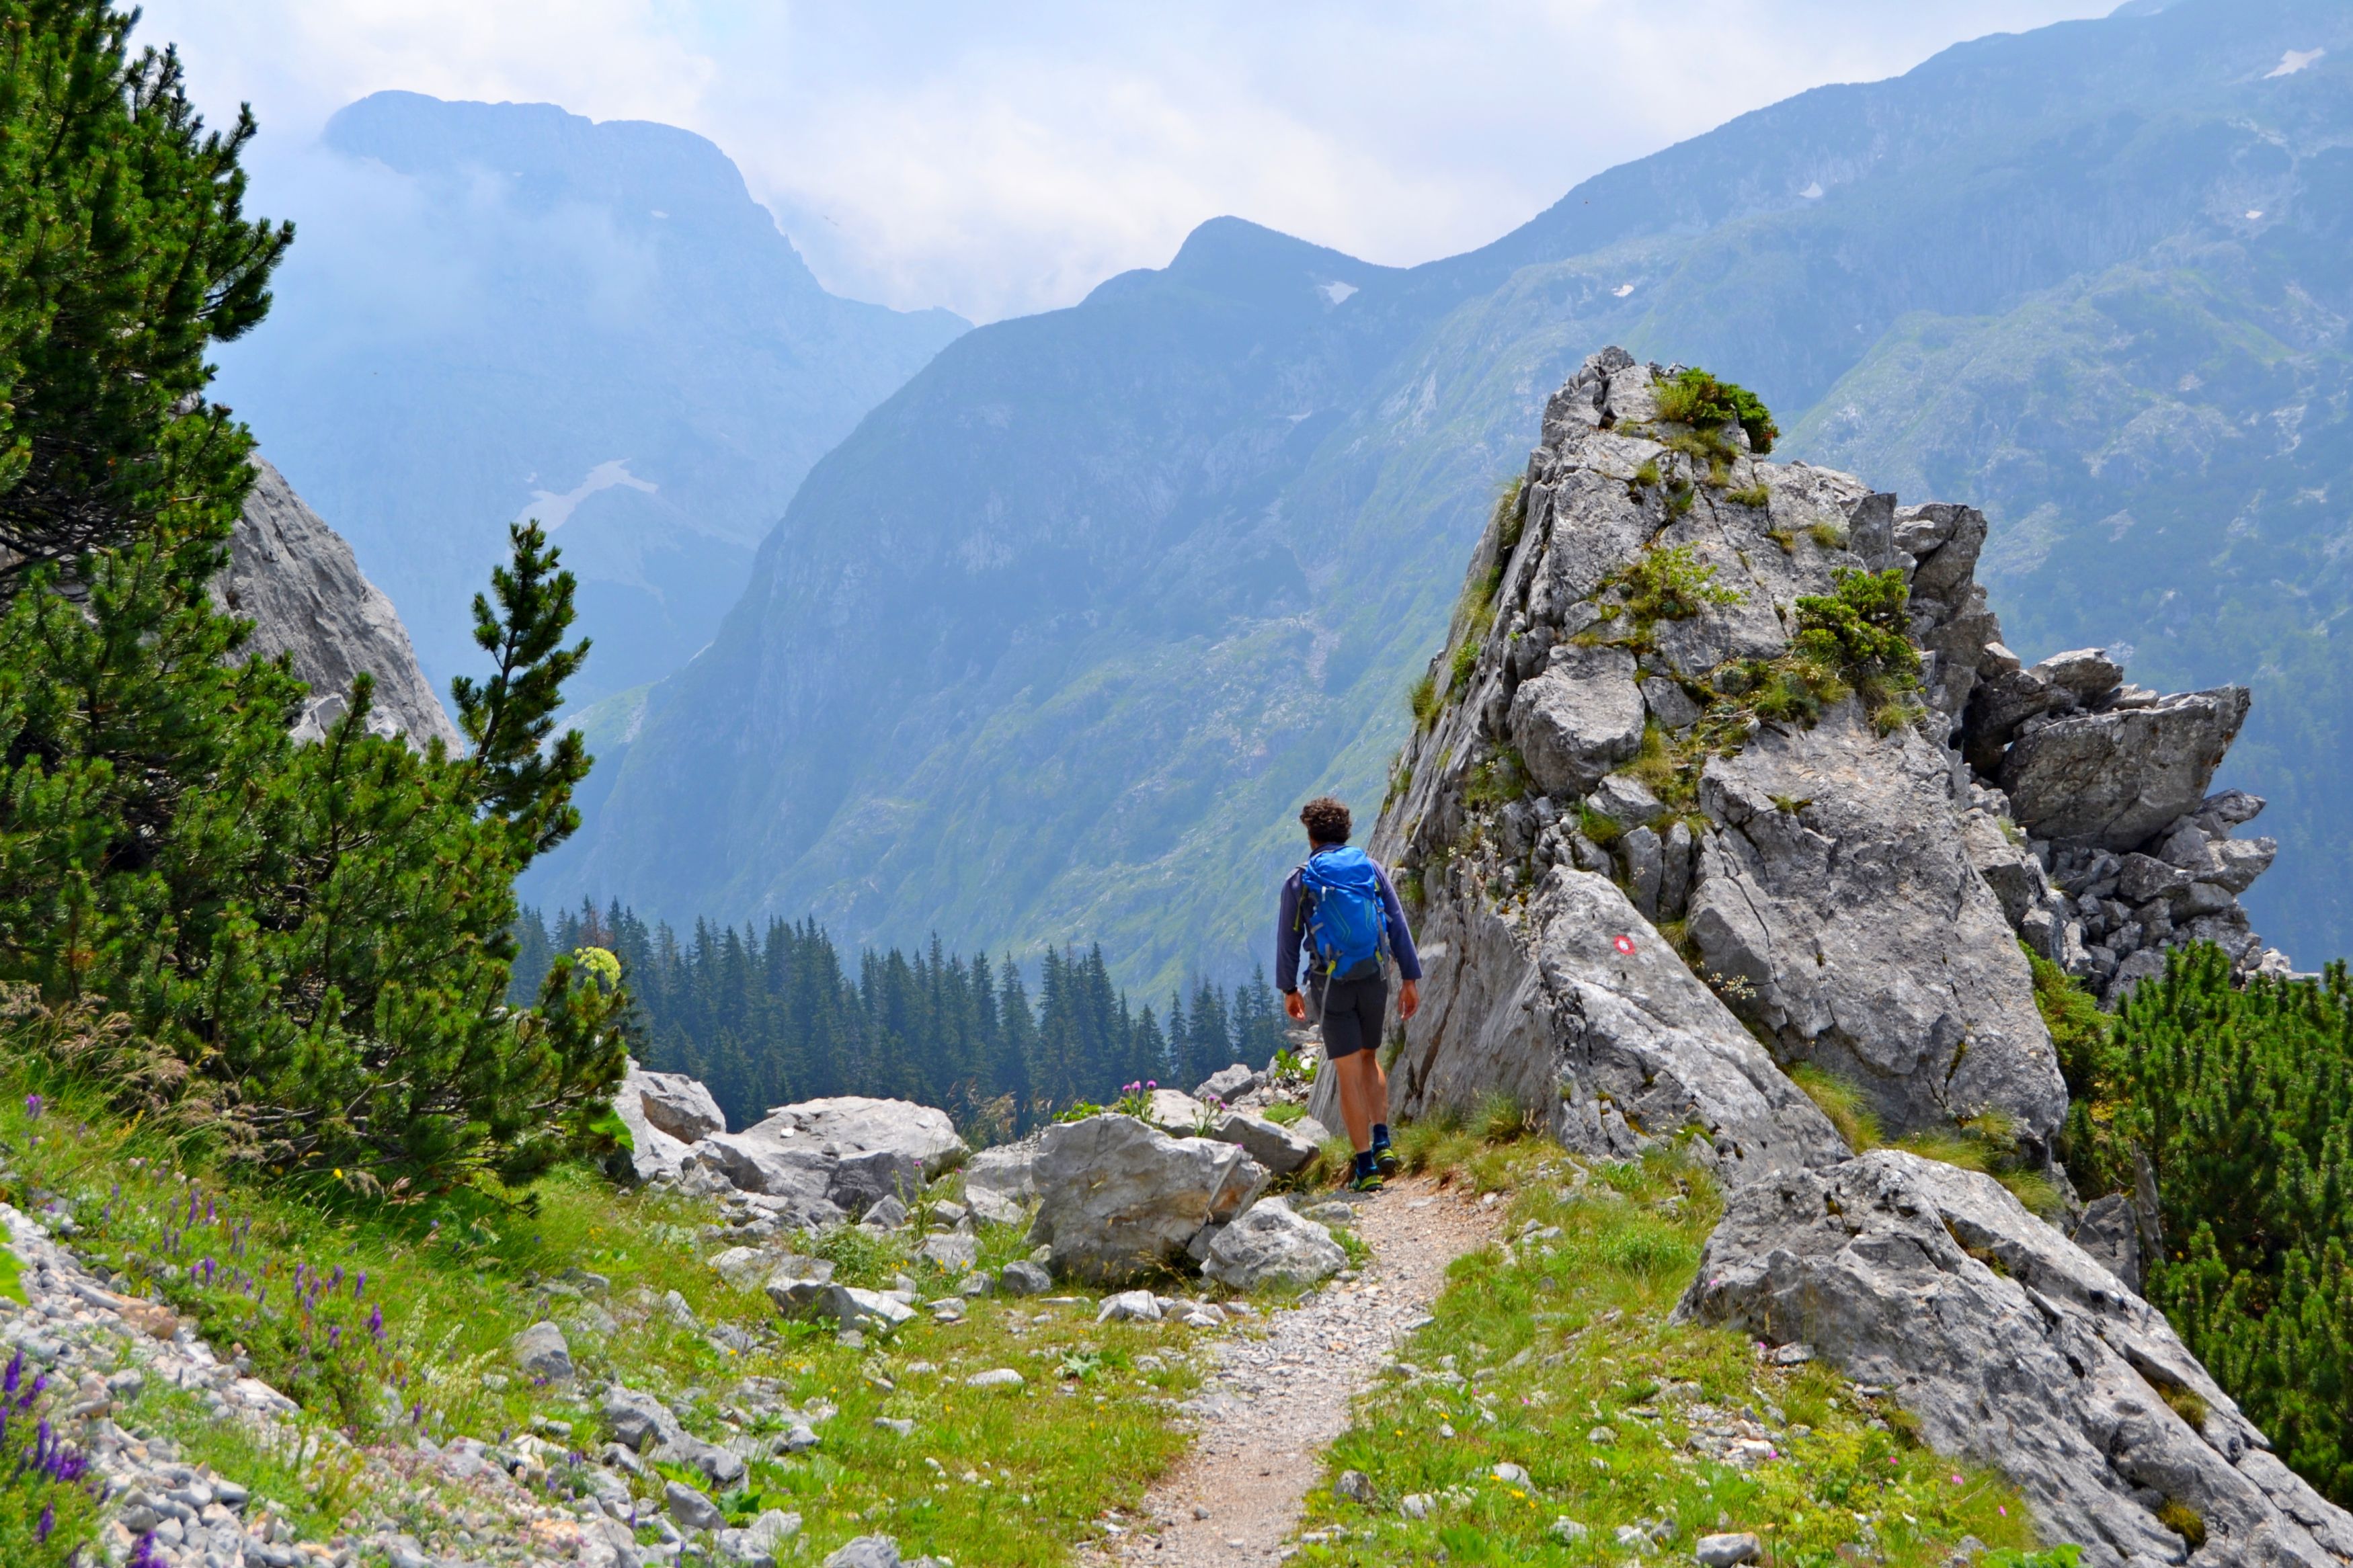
(1000, 160)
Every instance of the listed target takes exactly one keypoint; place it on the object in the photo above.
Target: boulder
(866, 1552)
(951, 1253)
(1619, 1043)
(674, 1103)
(2087, 673)
(743, 1266)
(1023, 1278)
(864, 1310)
(797, 1283)
(2112, 779)
(1270, 1245)
(1174, 1110)
(1228, 1083)
(1117, 1197)
(691, 1508)
(850, 1125)
(863, 1182)
(1873, 946)
(1625, 800)
(2011, 1346)
(638, 1421)
(2110, 1231)
(1129, 1307)
(998, 1183)
(802, 1176)
(540, 1351)
(1579, 719)
(1282, 1149)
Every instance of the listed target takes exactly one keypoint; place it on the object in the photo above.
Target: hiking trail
(1281, 1392)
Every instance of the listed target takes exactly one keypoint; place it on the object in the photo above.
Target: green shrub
(2239, 1098)
(1510, 518)
(1670, 583)
(1858, 630)
(1759, 495)
(1459, 670)
(1422, 698)
(1697, 399)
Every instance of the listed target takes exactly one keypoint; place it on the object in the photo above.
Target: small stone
(740, 1266)
(887, 1214)
(1018, 1279)
(691, 1507)
(1723, 1551)
(1511, 1475)
(867, 1551)
(1130, 1307)
(1414, 1505)
(539, 1350)
(1566, 1531)
(1793, 1355)
(1355, 1486)
(995, 1377)
(893, 1424)
(1601, 1435)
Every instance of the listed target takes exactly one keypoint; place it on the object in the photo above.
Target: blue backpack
(1346, 920)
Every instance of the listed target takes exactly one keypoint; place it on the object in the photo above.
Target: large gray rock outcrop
(1839, 884)
(296, 579)
(1579, 719)
(2013, 1347)
(2110, 780)
(1117, 1198)
(1574, 1006)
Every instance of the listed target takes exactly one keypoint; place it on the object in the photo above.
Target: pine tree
(125, 254)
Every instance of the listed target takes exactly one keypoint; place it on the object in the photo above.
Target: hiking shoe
(1386, 1160)
(1368, 1182)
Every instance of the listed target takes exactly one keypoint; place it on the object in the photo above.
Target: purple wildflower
(33, 1106)
(46, 1524)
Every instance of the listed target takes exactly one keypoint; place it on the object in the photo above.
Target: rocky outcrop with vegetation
(1732, 825)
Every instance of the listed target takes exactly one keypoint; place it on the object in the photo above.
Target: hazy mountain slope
(1109, 742)
(499, 310)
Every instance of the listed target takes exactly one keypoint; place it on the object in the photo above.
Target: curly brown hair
(1327, 821)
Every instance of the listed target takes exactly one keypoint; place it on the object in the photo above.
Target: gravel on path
(1279, 1397)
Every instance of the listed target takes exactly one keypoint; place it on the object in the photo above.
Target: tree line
(767, 1016)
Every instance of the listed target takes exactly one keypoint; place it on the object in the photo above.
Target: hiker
(1340, 907)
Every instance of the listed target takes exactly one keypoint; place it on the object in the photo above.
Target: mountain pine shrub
(2240, 1098)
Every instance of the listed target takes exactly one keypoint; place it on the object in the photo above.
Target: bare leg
(1355, 1098)
(1377, 1089)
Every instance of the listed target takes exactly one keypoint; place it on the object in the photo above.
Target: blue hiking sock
(1364, 1164)
(1380, 1134)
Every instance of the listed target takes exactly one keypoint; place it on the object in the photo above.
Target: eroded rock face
(296, 579)
(1840, 884)
(2110, 780)
(2014, 1347)
(1579, 719)
(1117, 1198)
(1576, 1006)
(675, 1103)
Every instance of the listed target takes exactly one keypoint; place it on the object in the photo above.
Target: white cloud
(1000, 160)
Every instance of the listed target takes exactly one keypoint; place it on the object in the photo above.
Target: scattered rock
(1024, 1279)
(1282, 1149)
(996, 1377)
(743, 1266)
(1510, 1473)
(1227, 1084)
(1130, 1307)
(1355, 1486)
(1725, 1551)
(867, 1551)
(853, 1125)
(1270, 1245)
(2112, 779)
(864, 1310)
(795, 1283)
(691, 1507)
(1117, 1197)
(673, 1103)
(1566, 1531)
(540, 1351)
(953, 1253)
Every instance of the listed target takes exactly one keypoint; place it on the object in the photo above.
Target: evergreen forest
(768, 1016)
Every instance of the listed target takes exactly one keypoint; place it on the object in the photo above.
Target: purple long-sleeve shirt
(1291, 933)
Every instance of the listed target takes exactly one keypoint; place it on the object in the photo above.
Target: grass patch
(12, 1279)
(1842, 1101)
(1422, 698)
(1556, 1354)
(1289, 1113)
(1829, 535)
(1758, 495)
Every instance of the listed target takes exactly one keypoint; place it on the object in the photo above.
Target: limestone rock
(2086, 673)
(1579, 719)
(1619, 1046)
(742, 1266)
(1282, 1149)
(1117, 1197)
(638, 1421)
(540, 1351)
(877, 1183)
(853, 1125)
(797, 1283)
(2011, 1346)
(1130, 1307)
(1022, 1278)
(2112, 779)
(1229, 1083)
(691, 1508)
(1270, 1245)
(296, 579)
(869, 1310)
(2110, 1231)
(1174, 1111)
(1874, 946)
(673, 1102)
(951, 1253)
(801, 1175)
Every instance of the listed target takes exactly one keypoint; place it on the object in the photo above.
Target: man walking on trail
(1339, 908)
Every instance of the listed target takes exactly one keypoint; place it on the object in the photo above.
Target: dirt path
(1281, 1395)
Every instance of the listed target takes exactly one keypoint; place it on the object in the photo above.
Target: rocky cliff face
(295, 577)
(1724, 771)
